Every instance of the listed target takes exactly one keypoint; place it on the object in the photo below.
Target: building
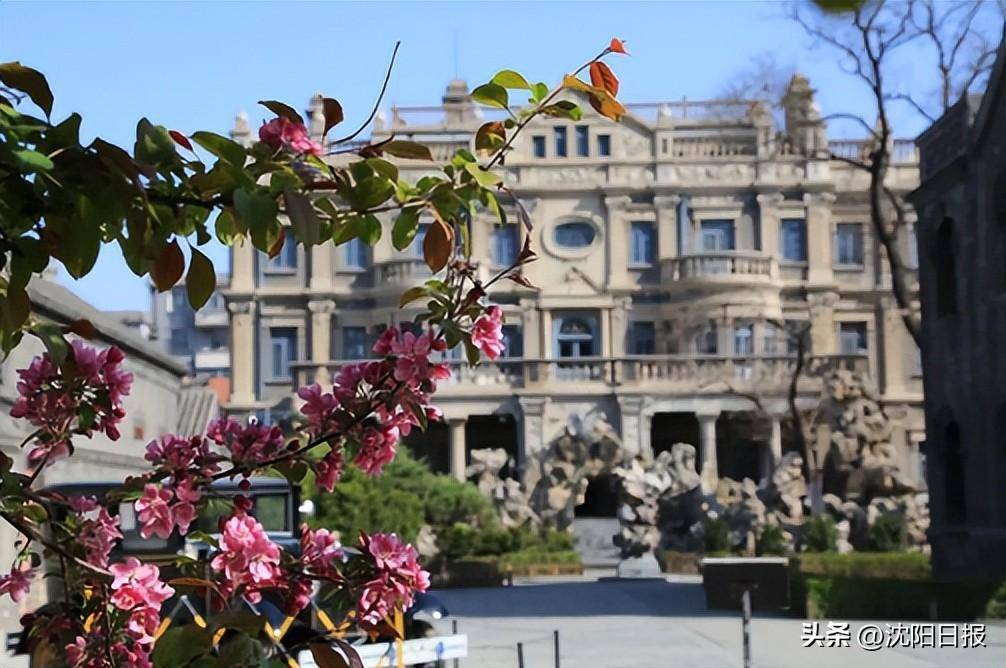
(159, 403)
(961, 205)
(672, 247)
(197, 339)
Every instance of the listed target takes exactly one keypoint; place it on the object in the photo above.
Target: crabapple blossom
(17, 583)
(282, 133)
(250, 444)
(397, 576)
(97, 531)
(159, 513)
(247, 558)
(487, 332)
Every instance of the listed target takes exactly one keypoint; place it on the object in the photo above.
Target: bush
(456, 541)
(899, 565)
(493, 541)
(772, 541)
(888, 533)
(448, 501)
(820, 534)
(716, 537)
(996, 608)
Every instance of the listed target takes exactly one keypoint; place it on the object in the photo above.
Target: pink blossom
(328, 470)
(280, 133)
(250, 444)
(247, 558)
(319, 548)
(17, 583)
(98, 530)
(140, 582)
(397, 577)
(155, 515)
(487, 332)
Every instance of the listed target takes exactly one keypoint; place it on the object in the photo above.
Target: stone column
(242, 314)
(457, 445)
(242, 267)
(667, 226)
(617, 241)
(546, 334)
(707, 446)
(768, 215)
(530, 328)
(635, 427)
(322, 269)
(619, 326)
(823, 336)
(321, 337)
(895, 343)
(773, 449)
(532, 418)
(819, 239)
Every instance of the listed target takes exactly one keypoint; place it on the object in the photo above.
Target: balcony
(212, 359)
(401, 272)
(674, 374)
(727, 268)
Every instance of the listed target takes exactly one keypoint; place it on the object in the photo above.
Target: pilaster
(242, 315)
(667, 225)
(819, 239)
(618, 242)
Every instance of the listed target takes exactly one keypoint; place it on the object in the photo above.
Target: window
(560, 142)
(604, 145)
(574, 235)
(770, 339)
(538, 145)
(416, 247)
(644, 238)
(717, 235)
(849, 243)
(179, 341)
(354, 343)
(513, 339)
(575, 337)
(706, 340)
(355, 254)
(852, 338)
(582, 140)
(642, 338)
(793, 239)
(744, 340)
(946, 268)
(794, 330)
(505, 239)
(283, 347)
(287, 258)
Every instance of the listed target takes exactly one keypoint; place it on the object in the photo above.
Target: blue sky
(194, 66)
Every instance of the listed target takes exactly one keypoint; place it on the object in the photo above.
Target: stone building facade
(961, 204)
(672, 246)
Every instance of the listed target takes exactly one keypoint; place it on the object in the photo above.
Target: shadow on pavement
(571, 599)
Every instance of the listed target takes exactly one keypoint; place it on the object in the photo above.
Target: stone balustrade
(723, 266)
(401, 272)
(764, 374)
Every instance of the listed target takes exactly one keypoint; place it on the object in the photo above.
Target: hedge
(881, 585)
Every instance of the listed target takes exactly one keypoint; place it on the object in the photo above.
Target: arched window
(574, 235)
(946, 268)
(953, 475)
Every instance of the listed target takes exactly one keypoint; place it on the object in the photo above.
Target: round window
(574, 235)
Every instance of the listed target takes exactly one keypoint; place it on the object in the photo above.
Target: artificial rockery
(62, 200)
(661, 504)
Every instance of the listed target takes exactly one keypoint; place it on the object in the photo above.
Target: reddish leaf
(284, 110)
(180, 139)
(333, 113)
(490, 136)
(438, 245)
(168, 267)
(520, 279)
(602, 77)
(82, 328)
(599, 98)
(526, 253)
(278, 246)
(617, 46)
(25, 79)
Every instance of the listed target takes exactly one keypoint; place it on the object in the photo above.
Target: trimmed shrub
(716, 537)
(820, 534)
(772, 541)
(996, 608)
(888, 533)
(899, 565)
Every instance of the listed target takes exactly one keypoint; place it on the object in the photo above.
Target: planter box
(725, 579)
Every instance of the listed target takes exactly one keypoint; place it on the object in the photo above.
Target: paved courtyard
(655, 624)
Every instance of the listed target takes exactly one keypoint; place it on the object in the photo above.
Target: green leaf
(491, 95)
(283, 110)
(407, 149)
(384, 168)
(367, 228)
(405, 228)
(179, 645)
(154, 145)
(563, 109)
(839, 6)
(303, 217)
(471, 352)
(227, 150)
(258, 213)
(201, 280)
(225, 228)
(411, 295)
(484, 177)
(490, 136)
(27, 80)
(539, 91)
(493, 204)
(33, 161)
(511, 79)
(52, 338)
(370, 192)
